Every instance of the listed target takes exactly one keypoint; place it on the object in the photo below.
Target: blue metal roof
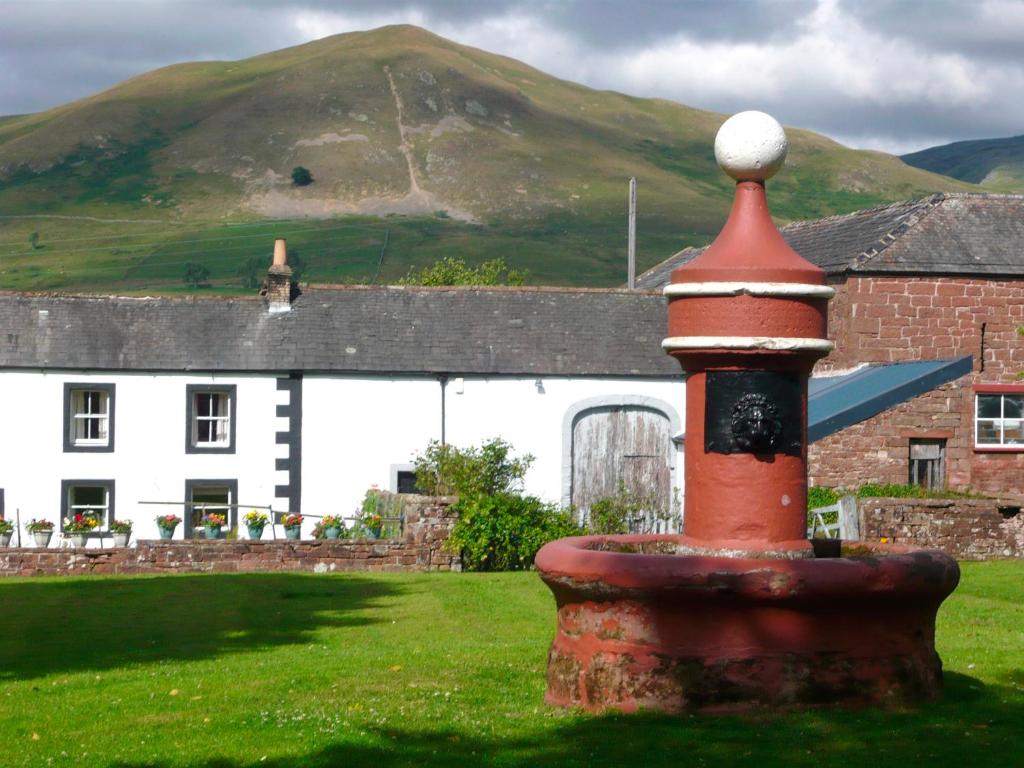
(836, 402)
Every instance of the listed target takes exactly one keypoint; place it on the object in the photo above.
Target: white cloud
(879, 73)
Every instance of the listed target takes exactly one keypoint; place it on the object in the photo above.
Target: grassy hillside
(996, 164)
(435, 147)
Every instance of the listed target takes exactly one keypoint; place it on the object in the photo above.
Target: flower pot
(121, 539)
(166, 533)
(5, 539)
(294, 533)
(255, 532)
(212, 531)
(373, 533)
(332, 533)
(78, 539)
(42, 538)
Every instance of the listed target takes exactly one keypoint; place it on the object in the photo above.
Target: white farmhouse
(301, 402)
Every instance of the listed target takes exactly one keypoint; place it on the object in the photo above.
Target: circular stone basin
(642, 627)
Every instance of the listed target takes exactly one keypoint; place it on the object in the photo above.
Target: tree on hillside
(301, 177)
(196, 275)
(249, 272)
(451, 270)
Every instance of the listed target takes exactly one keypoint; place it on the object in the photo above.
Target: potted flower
(255, 521)
(122, 531)
(6, 529)
(292, 526)
(332, 526)
(166, 525)
(78, 526)
(213, 522)
(372, 523)
(41, 531)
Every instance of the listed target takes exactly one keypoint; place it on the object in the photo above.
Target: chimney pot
(280, 252)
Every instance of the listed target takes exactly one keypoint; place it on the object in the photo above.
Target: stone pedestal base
(640, 630)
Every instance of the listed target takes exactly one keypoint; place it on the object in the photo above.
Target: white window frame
(218, 424)
(220, 421)
(106, 512)
(89, 405)
(82, 414)
(1000, 421)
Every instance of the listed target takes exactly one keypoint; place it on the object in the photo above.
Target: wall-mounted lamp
(539, 384)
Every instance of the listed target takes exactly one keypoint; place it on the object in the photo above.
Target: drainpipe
(443, 381)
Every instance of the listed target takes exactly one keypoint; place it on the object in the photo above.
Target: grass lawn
(291, 670)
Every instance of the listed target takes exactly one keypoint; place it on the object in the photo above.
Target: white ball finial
(751, 146)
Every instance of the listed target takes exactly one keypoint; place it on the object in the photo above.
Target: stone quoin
(741, 611)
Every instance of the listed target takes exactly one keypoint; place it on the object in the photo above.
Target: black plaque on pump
(755, 412)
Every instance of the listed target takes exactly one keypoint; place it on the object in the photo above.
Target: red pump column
(747, 320)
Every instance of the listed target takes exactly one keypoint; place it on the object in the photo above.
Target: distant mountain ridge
(397, 121)
(996, 164)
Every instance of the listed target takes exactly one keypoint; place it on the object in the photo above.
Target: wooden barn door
(627, 444)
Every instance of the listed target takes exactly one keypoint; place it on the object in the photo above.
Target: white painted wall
(354, 429)
(149, 462)
(531, 418)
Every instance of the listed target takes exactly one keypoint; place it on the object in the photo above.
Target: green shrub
(452, 270)
(498, 529)
(444, 470)
(301, 176)
(504, 531)
(822, 496)
(625, 512)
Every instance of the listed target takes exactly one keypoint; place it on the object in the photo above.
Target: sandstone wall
(968, 529)
(428, 522)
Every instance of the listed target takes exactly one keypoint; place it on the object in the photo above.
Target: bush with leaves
(451, 270)
(444, 470)
(627, 511)
(196, 275)
(301, 176)
(504, 531)
(498, 528)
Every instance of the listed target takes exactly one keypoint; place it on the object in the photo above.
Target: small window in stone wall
(407, 482)
(928, 462)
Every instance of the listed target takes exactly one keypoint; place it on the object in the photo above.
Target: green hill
(996, 164)
(419, 147)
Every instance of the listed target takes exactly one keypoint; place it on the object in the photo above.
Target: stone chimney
(278, 285)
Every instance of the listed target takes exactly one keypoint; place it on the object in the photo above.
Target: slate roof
(943, 234)
(541, 331)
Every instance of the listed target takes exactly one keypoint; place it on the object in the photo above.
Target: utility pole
(631, 278)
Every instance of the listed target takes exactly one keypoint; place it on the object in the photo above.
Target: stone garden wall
(428, 522)
(968, 529)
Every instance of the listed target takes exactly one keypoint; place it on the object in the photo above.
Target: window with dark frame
(999, 419)
(88, 417)
(210, 496)
(91, 498)
(211, 418)
(928, 462)
(406, 481)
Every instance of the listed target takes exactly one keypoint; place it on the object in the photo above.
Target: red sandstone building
(928, 280)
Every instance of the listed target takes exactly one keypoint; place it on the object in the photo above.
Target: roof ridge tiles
(919, 209)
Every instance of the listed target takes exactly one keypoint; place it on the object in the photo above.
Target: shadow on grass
(84, 624)
(974, 724)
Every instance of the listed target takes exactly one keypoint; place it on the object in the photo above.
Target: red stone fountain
(742, 611)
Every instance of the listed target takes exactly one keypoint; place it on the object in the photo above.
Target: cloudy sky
(896, 75)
